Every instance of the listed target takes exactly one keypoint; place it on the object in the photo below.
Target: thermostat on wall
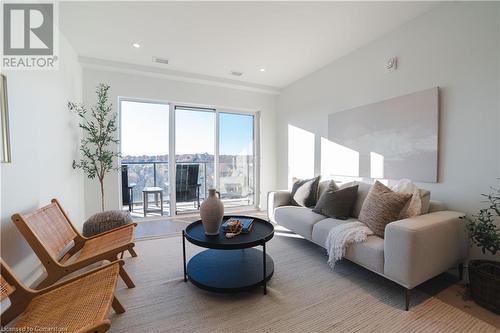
(391, 64)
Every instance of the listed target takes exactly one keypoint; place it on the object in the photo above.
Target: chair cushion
(298, 219)
(105, 221)
(369, 254)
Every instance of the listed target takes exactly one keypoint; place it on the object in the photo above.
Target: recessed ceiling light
(136, 45)
(262, 69)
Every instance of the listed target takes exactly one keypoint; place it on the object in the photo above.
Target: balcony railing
(236, 179)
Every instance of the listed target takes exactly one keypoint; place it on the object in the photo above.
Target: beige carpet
(304, 295)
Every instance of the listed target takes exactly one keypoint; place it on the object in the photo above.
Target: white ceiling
(288, 39)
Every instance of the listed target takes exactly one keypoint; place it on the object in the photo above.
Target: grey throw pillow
(305, 192)
(336, 203)
(382, 206)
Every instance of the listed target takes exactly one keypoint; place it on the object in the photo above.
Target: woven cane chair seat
(74, 306)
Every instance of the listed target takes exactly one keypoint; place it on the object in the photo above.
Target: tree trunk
(101, 181)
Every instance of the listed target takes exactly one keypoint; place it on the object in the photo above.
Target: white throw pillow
(419, 202)
(303, 192)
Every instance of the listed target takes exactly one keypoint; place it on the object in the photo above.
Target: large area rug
(304, 295)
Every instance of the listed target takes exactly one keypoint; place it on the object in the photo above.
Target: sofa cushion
(305, 192)
(369, 254)
(298, 219)
(337, 203)
(382, 206)
(363, 189)
(323, 227)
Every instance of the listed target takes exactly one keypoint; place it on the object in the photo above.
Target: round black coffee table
(230, 264)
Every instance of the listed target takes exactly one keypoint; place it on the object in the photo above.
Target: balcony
(236, 185)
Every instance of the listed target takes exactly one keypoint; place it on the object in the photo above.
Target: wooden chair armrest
(134, 224)
(101, 327)
(80, 263)
(60, 284)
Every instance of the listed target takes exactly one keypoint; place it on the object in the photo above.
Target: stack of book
(246, 222)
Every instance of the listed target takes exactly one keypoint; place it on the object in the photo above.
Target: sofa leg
(407, 299)
(460, 271)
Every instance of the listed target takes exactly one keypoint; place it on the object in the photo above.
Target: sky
(145, 131)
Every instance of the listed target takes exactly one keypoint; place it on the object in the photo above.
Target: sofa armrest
(419, 248)
(276, 199)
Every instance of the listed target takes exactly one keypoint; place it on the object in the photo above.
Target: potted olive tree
(99, 138)
(484, 275)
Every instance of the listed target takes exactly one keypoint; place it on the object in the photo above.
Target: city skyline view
(145, 131)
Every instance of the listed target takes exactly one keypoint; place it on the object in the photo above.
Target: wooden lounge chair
(80, 304)
(50, 233)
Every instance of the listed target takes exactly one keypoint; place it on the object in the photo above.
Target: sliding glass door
(236, 159)
(194, 156)
(144, 153)
(184, 151)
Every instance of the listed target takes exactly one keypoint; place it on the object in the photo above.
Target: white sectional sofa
(413, 251)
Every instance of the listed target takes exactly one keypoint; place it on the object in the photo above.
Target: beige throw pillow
(419, 202)
(382, 206)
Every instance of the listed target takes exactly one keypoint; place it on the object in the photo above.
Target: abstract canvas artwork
(392, 139)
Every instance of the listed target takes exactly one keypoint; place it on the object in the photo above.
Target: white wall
(156, 87)
(44, 138)
(455, 47)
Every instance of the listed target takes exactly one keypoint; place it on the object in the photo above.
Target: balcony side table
(157, 191)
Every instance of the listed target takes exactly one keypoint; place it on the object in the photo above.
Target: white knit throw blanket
(341, 236)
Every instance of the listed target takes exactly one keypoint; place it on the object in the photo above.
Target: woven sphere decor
(105, 221)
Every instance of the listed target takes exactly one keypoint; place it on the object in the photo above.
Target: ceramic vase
(212, 212)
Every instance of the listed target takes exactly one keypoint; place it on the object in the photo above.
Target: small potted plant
(484, 275)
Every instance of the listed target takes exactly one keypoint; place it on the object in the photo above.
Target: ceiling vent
(236, 73)
(160, 60)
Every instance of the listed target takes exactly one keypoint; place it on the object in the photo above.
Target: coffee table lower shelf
(229, 271)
